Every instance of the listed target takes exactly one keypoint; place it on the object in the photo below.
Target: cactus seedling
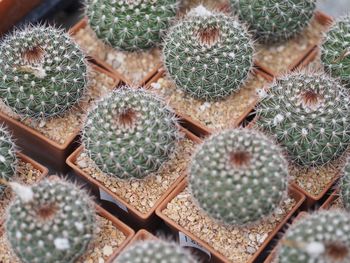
(130, 25)
(208, 55)
(130, 133)
(238, 176)
(52, 221)
(42, 72)
(274, 20)
(345, 186)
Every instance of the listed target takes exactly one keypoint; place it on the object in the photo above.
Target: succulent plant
(308, 114)
(154, 251)
(238, 176)
(52, 221)
(130, 133)
(345, 186)
(323, 237)
(274, 20)
(208, 55)
(336, 50)
(130, 25)
(42, 72)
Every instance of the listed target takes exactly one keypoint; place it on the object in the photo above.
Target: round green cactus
(323, 237)
(130, 25)
(274, 20)
(130, 133)
(238, 176)
(52, 221)
(208, 55)
(336, 50)
(308, 114)
(345, 185)
(154, 251)
(42, 72)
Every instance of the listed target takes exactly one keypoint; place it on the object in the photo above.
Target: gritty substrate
(214, 115)
(237, 244)
(142, 194)
(61, 129)
(135, 66)
(108, 239)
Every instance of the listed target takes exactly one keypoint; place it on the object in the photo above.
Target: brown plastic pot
(82, 24)
(38, 146)
(214, 255)
(123, 209)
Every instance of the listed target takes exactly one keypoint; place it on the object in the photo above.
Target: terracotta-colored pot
(35, 144)
(82, 24)
(330, 200)
(216, 256)
(125, 211)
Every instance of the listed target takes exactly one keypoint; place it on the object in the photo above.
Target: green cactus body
(308, 114)
(274, 20)
(52, 221)
(130, 25)
(154, 251)
(345, 186)
(238, 176)
(336, 50)
(42, 72)
(208, 55)
(323, 237)
(130, 133)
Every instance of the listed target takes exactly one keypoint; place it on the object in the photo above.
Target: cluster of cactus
(308, 114)
(336, 50)
(345, 186)
(208, 55)
(154, 251)
(320, 237)
(130, 25)
(274, 20)
(238, 176)
(42, 72)
(52, 221)
(130, 133)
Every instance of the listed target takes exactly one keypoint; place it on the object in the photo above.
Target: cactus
(42, 72)
(274, 20)
(345, 186)
(130, 133)
(208, 55)
(336, 50)
(238, 176)
(8, 158)
(130, 25)
(323, 237)
(52, 221)
(154, 251)
(308, 114)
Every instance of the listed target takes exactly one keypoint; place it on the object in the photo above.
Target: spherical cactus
(52, 221)
(336, 50)
(323, 237)
(154, 251)
(308, 114)
(8, 158)
(42, 72)
(130, 133)
(208, 55)
(130, 25)
(238, 176)
(345, 186)
(274, 20)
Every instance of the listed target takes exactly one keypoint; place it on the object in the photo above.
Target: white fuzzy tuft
(61, 243)
(25, 193)
(278, 119)
(200, 11)
(315, 249)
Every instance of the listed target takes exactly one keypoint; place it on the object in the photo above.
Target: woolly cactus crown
(308, 114)
(274, 20)
(154, 251)
(238, 176)
(42, 72)
(323, 237)
(208, 55)
(130, 133)
(345, 186)
(130, 25)
(52, 221)
(336, 50)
